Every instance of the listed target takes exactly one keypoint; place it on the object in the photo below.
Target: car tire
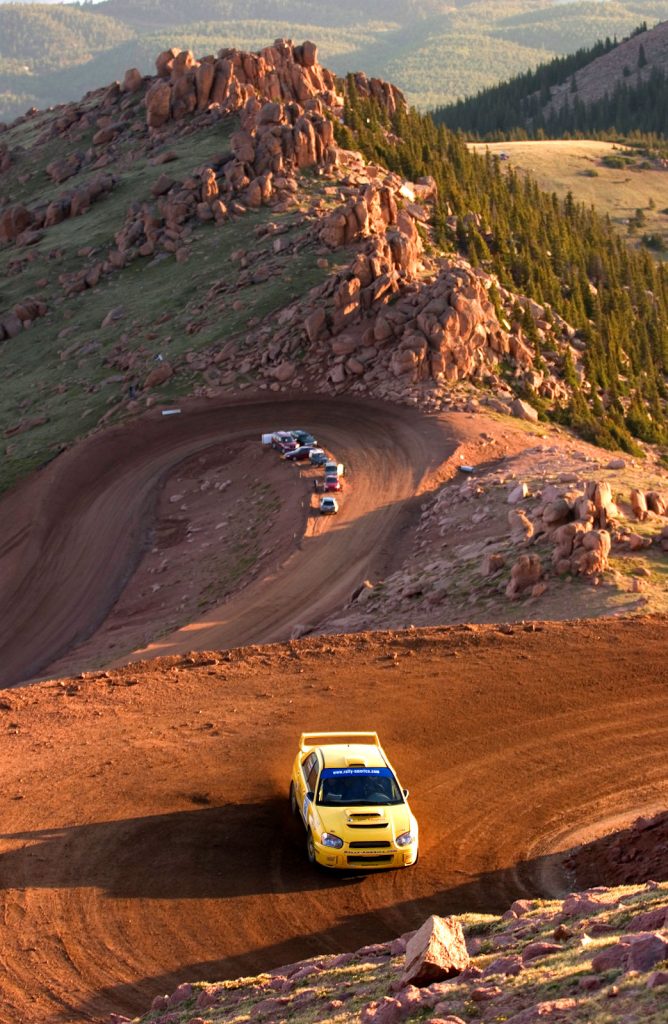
(310, 848)
(293, 801)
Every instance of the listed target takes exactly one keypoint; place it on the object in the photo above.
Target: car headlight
(406, 839)
(327, 839)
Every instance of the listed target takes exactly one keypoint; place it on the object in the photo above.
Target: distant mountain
(619, 87)
(435, 50)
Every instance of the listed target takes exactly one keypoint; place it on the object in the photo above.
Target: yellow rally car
(355, 813)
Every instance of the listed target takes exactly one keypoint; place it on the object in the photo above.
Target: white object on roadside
(171, 412)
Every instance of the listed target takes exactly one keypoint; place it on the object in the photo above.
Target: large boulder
(436, 952)
(165, 61)
(284, 371)
(525, 573)
(132, 80)
(315, 324)
(635, 952)
(524, 411)
(204, 77)
(14, 220)
(656, 502)
(557, 512)
(592, 557)
(521, 527)
(158, 104)
(639, 504)
(158, 376)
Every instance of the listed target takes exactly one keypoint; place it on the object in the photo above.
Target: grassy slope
(76, 389)
(567, 166)
(334, 992)
(434, 59)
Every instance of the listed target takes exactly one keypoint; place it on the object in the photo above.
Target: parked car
(318, 457)
(303, 437)
(332, 483)
(328, 506)
(283, 441)
(298, 454)
(347, 794)
(334, 467)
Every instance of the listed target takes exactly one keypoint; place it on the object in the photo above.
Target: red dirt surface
(73, 535)
(146, 833)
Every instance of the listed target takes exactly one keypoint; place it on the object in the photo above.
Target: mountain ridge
(605, 89)
(432, 54)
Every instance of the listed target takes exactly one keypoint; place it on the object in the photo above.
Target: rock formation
(278, 74)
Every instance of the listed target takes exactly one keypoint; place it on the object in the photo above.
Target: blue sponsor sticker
(335, 773)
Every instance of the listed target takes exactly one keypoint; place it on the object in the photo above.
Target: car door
(311, 786)
(302, 780)
(309, 771)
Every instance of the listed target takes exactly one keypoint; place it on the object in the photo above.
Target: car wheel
(293, 800)
(310, 848)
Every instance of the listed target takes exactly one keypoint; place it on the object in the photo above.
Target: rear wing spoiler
(313, 739)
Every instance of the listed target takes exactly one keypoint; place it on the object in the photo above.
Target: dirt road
(146, 837)
(74, 533)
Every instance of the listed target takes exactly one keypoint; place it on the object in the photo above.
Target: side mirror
(405, 792)
(310, 796)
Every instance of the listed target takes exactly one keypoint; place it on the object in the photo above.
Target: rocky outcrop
(643, 503)
(385, 94)
(276, 142)
(21, 317)
(18, 224)
(536, 963)
(278, 74)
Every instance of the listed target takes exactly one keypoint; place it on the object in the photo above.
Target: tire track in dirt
(166, 852)
(90, 512)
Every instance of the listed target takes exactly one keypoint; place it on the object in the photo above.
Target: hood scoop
(366, 820)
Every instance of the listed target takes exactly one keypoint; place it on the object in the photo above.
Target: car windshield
(358, 787)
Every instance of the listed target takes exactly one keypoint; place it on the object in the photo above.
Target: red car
(284, 441)
(332, 483)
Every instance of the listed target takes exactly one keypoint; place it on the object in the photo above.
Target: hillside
(516, 968)
(434, 51)
(618, 180)
(610, 88)
(189, 241)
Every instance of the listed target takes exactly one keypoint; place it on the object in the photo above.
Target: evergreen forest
(559, 253)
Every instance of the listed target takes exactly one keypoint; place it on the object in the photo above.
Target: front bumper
(361, 860)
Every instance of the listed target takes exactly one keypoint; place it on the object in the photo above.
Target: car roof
(345, 755)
